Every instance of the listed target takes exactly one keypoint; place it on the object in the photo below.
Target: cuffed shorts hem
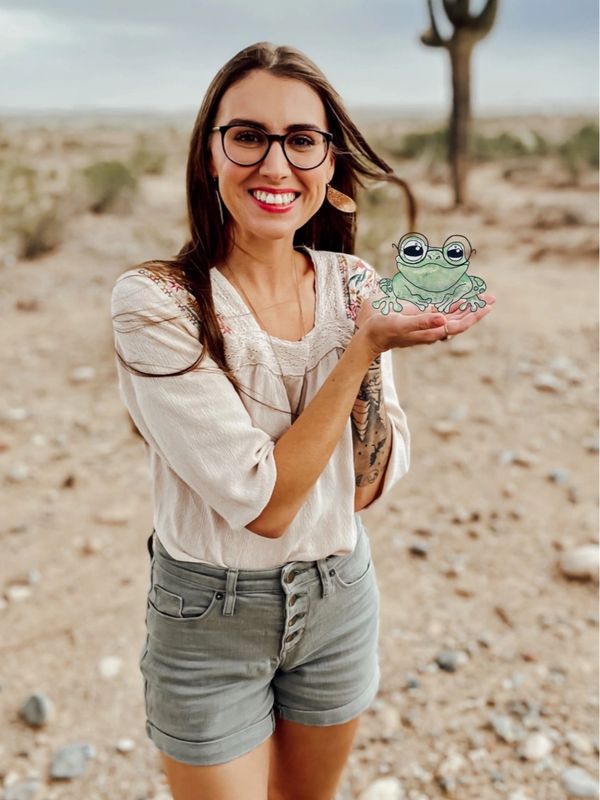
(217, 751)
(333, 716)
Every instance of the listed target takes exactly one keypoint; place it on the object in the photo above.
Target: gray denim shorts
(227, 649)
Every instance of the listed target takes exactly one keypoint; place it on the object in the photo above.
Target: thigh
(325, 748)
(207, 676)
(221, 781)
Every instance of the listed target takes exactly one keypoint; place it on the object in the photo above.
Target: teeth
(274, 199)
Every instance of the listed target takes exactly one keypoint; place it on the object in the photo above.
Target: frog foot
(473, 303)
(386, 303)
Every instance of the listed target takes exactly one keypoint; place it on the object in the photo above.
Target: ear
(331, 168)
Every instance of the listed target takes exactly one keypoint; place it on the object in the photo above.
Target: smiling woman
(277, 420)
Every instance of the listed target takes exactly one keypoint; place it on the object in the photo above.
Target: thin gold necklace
(293, 414)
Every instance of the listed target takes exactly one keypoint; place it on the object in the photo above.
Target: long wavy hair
(210, 241)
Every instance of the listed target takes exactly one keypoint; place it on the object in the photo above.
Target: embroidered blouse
(210, 449)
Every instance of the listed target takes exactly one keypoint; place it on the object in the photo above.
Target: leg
(221, 781)
(307, 761)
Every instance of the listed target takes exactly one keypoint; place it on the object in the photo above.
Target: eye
(413, 250)
(302, 140)
(246, 136)
(455, 252)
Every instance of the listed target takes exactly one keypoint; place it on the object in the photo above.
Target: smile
(278, 200)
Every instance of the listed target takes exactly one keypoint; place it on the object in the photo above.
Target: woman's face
(273, 103)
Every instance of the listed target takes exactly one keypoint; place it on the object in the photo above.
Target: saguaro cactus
(468, 30)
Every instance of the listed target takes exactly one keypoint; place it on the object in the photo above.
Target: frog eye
(412, 249)
(455, 252)
(457, 249)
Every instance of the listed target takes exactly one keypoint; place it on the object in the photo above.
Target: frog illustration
(431, 275)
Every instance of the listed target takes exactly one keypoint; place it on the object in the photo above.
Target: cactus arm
(432, 37)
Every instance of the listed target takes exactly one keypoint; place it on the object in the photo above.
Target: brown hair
(210, 241)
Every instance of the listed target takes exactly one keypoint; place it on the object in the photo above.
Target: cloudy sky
(152, 54)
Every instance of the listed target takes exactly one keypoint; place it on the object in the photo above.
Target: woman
(263, 386)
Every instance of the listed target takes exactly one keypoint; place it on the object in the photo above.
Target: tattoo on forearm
(370, 428)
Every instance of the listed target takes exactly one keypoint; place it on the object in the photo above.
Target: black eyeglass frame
(272, 137)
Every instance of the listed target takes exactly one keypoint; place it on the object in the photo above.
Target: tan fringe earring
(340, 200)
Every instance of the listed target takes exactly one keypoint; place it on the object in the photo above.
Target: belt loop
(324, 573)
(229, 606)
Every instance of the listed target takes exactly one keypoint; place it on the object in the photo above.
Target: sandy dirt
(466, 546)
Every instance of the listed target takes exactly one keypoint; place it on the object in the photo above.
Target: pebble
(82, 374)
(547, 382)
(18, 473)
(420, 549)
(535, 747)
(450, 660)
(16, 414)
(110, 666)
(37, 710)
(445, 428)
(558, 475)
(580, 562)
(112, 516)
(70, 761)
(519, 794)
(384, 789)
(26, 790)
(579, 783)
(505, 728)
(460, 347)
(579, 743)
(125, 745)
(522, 458)
(17, 593)
(591, 444)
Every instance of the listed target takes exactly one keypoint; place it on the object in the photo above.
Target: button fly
(291, 575)
(291, 636)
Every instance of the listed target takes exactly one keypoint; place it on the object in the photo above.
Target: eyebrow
(302, 126)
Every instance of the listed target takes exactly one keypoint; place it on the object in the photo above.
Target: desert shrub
(32, 220)
(148, 157)
(109, 186)
(580, 150)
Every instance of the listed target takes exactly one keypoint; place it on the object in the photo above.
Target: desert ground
(485, 552)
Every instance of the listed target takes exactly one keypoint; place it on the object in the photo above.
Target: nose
(275, 164)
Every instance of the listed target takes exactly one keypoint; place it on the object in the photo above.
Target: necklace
(293, 414)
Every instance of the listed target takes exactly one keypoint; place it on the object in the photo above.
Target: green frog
(431, 275)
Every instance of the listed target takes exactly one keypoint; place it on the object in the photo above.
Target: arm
(372, 437)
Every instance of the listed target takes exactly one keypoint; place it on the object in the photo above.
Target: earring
(216, 185)
(340, 200)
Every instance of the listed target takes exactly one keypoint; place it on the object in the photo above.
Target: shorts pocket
(352, 572)
(193, 604)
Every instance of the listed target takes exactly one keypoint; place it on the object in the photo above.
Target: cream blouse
(210, 450)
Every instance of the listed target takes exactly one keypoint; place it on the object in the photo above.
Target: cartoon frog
(431, 275)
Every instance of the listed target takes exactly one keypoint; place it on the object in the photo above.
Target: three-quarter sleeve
(196, 422)
(363, 283)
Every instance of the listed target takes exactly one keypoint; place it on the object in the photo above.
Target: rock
(535, 747)
(16, 414)
(39, 440)
(522, 458)
(460, 347)
(37, 710)
(389, 721)
(547, 382)
(445, 428)
(591, 444)
(505, 728)
(82, 374)
(112, 516)
(70, 761)
(384, 789)
(579, 743)
(450, 660)
(26, 790)
(125, 745)
(580, 562)
(17, 593)
(579, 783)
(420, 549)
(519, 794)
(110, 666)
(558, 475)
(18, 473)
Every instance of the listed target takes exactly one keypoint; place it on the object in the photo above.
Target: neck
(265, 268)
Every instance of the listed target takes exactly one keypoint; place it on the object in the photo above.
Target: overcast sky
(152, 54)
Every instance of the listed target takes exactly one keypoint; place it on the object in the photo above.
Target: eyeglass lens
(246, 146)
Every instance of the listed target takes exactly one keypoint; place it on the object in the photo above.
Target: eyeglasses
(247, 146)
